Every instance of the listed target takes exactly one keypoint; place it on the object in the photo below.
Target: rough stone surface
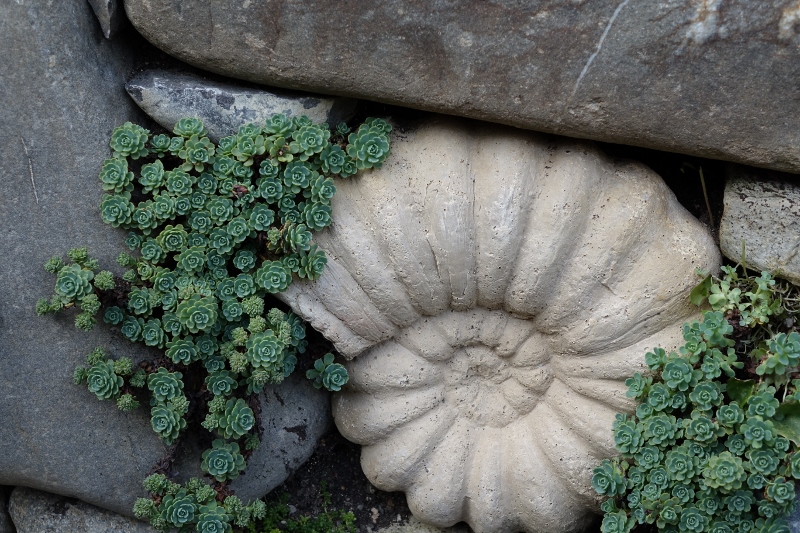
(763, 210)
(34, 511)
(497, 289)
(415, 526)
(223, 107)
(701, 77)
(65, 85)
(110, 14)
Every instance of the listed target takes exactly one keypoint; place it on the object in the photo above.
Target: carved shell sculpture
(498, 288)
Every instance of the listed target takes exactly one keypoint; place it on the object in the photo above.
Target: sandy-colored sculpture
(497, 289)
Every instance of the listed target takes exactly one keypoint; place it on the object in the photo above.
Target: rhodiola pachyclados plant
(215, 229)
(714, 444)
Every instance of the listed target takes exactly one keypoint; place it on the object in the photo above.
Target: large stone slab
(34, 511)
(223, 107)
(762, 213)
(701, 77)
(63, 92)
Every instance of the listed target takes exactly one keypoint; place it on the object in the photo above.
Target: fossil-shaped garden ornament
(498, 288)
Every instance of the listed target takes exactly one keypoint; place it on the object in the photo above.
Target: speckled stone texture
(702, 77)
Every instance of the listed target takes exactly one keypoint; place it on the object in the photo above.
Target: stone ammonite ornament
(497, 288)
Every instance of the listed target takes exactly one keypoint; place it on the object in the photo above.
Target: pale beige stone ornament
(498, 288)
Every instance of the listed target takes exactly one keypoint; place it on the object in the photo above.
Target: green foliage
(210, 239)
(713, 446)
(223, 461)
(328, 374)
(274, 517)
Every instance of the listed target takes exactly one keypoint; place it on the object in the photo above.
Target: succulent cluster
(714, 444)
(193, 506)
(216, 230)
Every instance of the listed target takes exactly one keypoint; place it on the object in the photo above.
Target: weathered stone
(294, 417)
(34, 511)
(699, 77)
(110, 14)
(762, 212)
(497, 289)
(223, 107)
(64, 89)
(415, 526)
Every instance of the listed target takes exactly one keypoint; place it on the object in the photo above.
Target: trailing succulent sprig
(213, 229)
(713, 445)
(328, 374)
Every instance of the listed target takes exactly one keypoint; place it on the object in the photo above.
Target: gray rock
(693, 76)
(794, 518)
(6, 526)
(64, 92)
(110, 15)
(762, 210)
(34, 511)
(294, 417)
(223, 107)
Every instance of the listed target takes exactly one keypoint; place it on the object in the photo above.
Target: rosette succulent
(236, 420)
(116, 210)
(115, 175)
(166, 422)
(165, 385)
(189, 127)
(368, 147)
(73, 283)
(273, 277)
(129, 140)
(178, 509)
(264, 350)
(223, 461)
(196, 152)
(103, 381)
(198, 313)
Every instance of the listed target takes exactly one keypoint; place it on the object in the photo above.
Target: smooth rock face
(762, 209)
(110, 14)
(701, 77)
(63, 87)
(169, 96)
(34, 511)
(497, 289)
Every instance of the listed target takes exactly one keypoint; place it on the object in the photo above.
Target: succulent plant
(167, 422)
(213, 519)
(223, 461)
(73, 283)
(272, 277)
(248, 147)
(236, 420)
(367, 147)
(103, 381)
(115, 176)
(312, 263)
(328, 374)
(178, 509)
(129, 140)
(309, 140)
(193, 224)
(197, 153)
(189, 127)
(182, 350)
